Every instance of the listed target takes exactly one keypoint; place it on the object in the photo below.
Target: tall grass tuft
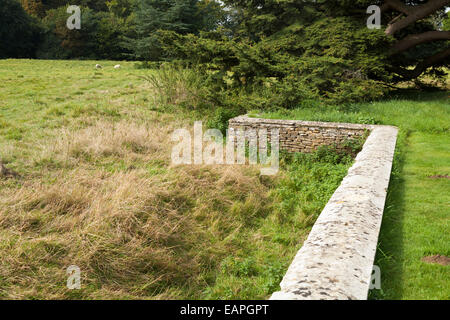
(178, 85)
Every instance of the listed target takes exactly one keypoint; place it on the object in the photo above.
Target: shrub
(178, 85)
(220, 118)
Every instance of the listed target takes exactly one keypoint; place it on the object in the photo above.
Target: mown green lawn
(417, 214)
(417, 222)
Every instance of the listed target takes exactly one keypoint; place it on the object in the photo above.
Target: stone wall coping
(245, 119)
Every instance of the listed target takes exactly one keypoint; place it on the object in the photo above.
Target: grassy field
(97, 190)
(416, 222)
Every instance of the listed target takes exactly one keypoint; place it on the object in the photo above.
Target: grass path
(416, 222)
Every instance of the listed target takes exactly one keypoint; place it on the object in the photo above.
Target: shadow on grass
(417, 95)
(390, 251)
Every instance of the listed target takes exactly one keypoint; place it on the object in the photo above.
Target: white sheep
(97, 66)
(117, 66)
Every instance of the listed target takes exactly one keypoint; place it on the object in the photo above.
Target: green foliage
(100, 35)
(112, 29)
(446, 23)
(220, 118)
(274, 274)
(19, 33)
(120, 8)
(180, 16)
(305, 50)
(310, 179)
(284, 53)
(287, 56)
(111, 34)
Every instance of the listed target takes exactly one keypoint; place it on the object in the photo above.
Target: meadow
(96, 189)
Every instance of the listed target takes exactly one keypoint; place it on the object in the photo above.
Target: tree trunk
(424, 65)
(412, 13)
(416, 39)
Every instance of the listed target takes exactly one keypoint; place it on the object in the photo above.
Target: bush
(178, 85)
(220, 118)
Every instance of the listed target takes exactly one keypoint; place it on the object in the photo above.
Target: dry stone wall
(303, 136)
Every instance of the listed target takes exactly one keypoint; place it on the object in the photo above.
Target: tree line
(111, 29)
(284, 52)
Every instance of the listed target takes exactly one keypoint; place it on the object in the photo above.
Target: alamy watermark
(74, 277)
(74, 21)
(239, 143)
(374, 20)
(375, 278)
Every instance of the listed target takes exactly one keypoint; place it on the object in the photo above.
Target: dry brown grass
(133, 233)
(124, 139)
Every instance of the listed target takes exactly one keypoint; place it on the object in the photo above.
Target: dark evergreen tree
(121, 8)
(320, 49)
(417, 43)
(63, 43)
(19, 33)
(180, 16)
